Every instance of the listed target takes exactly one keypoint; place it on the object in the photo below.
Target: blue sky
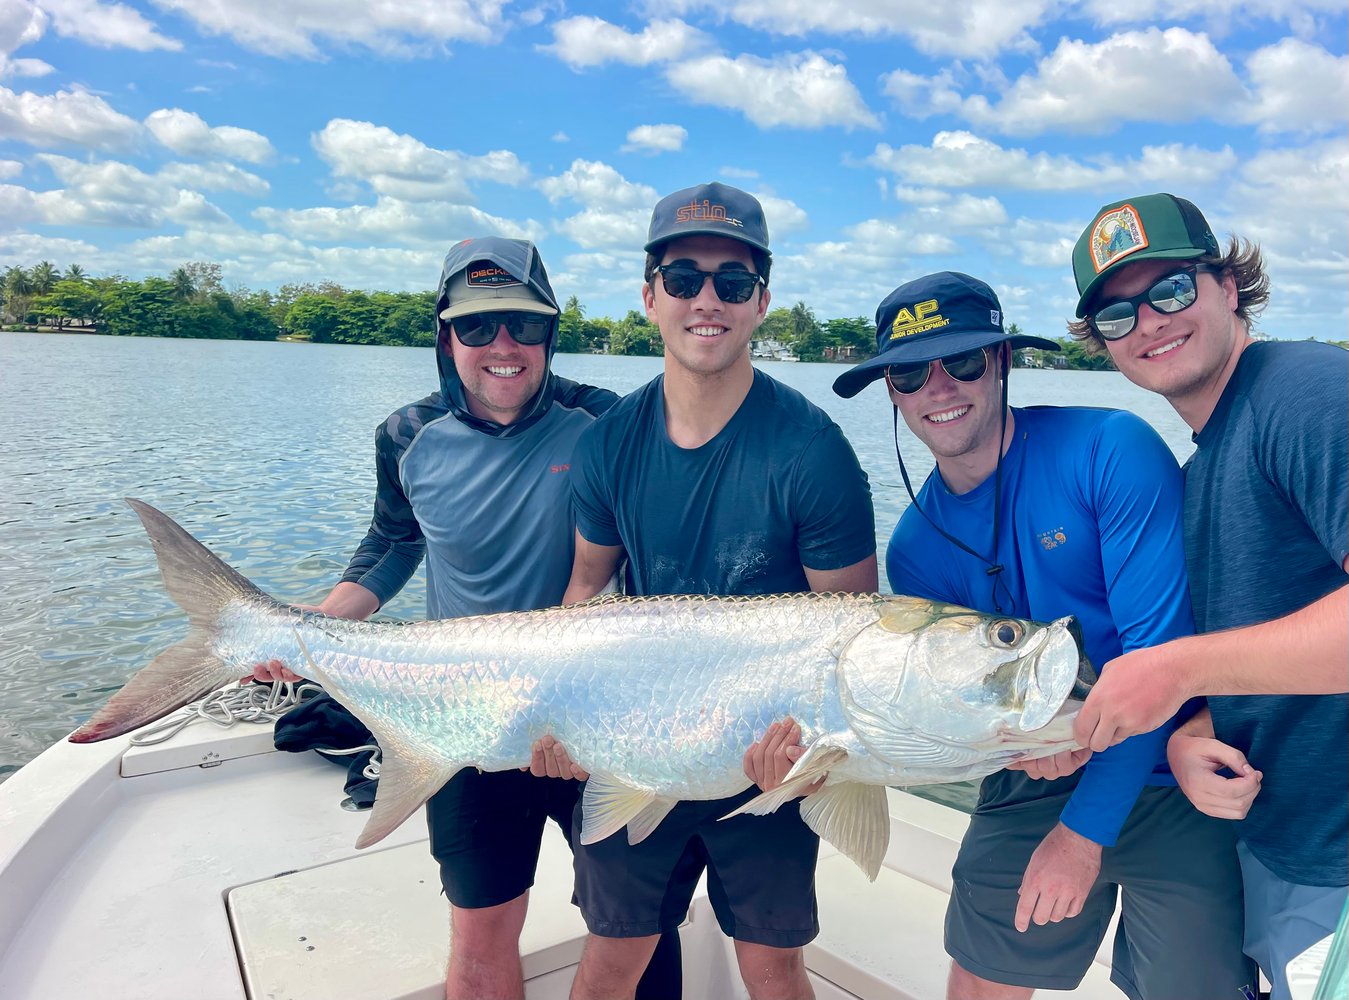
(345, 140)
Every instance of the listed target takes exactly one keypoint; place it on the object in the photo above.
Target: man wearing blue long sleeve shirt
(1044, 512)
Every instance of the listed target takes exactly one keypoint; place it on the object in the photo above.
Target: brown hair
(763, 263)
(1243, 261)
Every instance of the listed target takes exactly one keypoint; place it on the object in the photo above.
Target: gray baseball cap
(709, 210)
(494, 274)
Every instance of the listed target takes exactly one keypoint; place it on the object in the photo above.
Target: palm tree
(18, 290)
(43, 277)
(184, 287)
(75, 273)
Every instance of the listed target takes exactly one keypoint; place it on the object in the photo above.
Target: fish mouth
(1056, 660)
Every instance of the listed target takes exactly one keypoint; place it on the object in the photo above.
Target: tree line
(192, 302)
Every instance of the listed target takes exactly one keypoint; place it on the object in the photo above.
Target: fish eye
(1005, 633)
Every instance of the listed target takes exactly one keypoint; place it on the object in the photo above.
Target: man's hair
(1243, 261)
(763, 263)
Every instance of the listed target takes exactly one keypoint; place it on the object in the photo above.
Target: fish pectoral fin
(608, 805)
(645, 822)
(814, 764)
(855, 818)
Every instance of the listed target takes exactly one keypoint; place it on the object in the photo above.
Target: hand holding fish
(1060, 874)
(1136, 693)
(1059, 765)
(1196, 761)
(549, 759)
(768, 760)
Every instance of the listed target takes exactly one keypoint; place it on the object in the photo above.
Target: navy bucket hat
(933, 317)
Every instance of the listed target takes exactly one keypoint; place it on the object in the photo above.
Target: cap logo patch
(705, 211)
(922, 318)
(484, 274)
(995, 317)
(1116, 234)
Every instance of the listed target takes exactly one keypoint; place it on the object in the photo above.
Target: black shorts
(1179, 935)
(760, 874)
(486, 827)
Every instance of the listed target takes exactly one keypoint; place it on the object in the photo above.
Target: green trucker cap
(1149, 227)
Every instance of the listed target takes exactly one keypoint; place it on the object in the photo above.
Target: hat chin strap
(993, 568)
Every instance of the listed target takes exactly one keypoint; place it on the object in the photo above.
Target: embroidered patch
(1052, 539)
(1116, 234)
(920, 319)
(483, 273)
(705, 211)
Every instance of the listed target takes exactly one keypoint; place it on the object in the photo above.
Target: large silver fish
(656, 697)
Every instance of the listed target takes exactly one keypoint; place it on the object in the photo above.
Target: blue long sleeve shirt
(1090, 525)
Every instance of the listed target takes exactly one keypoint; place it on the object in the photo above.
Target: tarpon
(657, 697)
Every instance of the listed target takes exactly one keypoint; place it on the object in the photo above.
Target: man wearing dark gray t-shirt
(1267, 548)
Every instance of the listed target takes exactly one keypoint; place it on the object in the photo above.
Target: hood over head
(487, 274)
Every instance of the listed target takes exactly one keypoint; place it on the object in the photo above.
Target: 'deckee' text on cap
(920, 320)
(705, 211)
(492, 275)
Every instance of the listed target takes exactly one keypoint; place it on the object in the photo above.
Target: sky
(356, 140)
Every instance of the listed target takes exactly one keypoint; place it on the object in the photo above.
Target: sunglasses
(684, 282)
(1172, 294)
(480, 329)
(967, 367)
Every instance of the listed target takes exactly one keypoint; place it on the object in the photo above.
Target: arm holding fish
(1134, 490)
(389, 553)
(834, 496)
(1197, 756)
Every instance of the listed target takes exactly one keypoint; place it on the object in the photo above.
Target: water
(265, 452)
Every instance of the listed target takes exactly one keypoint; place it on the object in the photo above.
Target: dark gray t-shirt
(777, 488)
(1266, 533)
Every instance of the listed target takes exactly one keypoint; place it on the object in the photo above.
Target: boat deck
(215, 868)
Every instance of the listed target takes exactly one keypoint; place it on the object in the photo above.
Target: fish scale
(657, 697)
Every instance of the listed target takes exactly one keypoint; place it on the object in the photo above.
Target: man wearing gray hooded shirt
(475, 478)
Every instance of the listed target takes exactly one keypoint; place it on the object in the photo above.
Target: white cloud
(187, 135)
(972, 28)
(110, 193)
(68, 117)
(1172, 76)
(1301, 14)
(800, 90)
(214, 177)
(20, 24)
(1298, 87)
(656, 139)
(961, 159)
(107, 25)
(400, 166)
(609, 229)
(739, 173)
(561, 137)
(591, 41)
(403, 29)
(393, 222)
(784, 217)
(597, 185)
(10, 168)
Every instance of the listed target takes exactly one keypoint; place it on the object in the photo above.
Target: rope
(255, 703)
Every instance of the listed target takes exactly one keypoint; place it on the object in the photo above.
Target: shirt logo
(485, 274)
(923, 317)
(563, 467)
(1116, 234)
(705, 212)
(1052, 539)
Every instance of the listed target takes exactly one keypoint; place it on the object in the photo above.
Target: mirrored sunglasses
(480, 329)
(1171, 294)
(684, 282)
(966, 367)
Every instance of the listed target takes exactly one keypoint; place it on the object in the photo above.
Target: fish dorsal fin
(820, 757)
(608, 805)
(645, 822)
(854, 818)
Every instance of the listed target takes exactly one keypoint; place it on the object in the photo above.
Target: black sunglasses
(1172, 294)
(967, 367)
(684, 282)
(480, 329)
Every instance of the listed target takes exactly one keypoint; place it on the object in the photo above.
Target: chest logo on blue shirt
(1053, 538)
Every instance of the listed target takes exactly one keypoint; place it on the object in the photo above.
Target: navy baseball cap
(933, 317)
(708, 210)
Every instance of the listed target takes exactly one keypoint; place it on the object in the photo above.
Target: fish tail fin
(201, 584)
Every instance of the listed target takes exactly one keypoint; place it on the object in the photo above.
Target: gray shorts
(1284, 919)
(1180, 929)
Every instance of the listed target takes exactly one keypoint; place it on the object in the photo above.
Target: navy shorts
(760, 874)
(486, 827)
(1180, 929)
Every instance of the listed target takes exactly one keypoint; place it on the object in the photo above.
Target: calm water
(265, 452)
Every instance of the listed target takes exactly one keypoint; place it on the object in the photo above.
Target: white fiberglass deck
(238, 879)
